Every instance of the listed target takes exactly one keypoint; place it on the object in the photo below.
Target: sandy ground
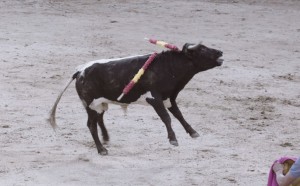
(247, 111)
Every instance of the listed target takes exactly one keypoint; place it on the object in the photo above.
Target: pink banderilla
(136, 78)
(163, 44)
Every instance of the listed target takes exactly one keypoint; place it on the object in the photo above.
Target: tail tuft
(51, 118)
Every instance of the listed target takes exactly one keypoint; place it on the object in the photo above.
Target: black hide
(165, 78)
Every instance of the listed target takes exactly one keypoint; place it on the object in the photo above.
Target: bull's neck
(178, 57)
(180, 64)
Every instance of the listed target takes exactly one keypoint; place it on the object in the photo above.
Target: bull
(99, 83)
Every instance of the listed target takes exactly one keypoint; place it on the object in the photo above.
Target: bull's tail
(53, 110)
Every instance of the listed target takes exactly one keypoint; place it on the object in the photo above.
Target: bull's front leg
(157, 104)
(177, 114)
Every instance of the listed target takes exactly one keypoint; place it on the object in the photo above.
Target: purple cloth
(272, 176)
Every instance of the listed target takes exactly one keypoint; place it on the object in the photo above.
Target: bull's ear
(188, 49)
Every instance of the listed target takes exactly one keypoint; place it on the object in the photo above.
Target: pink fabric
(128, 87)
(153, 41)
(169, 46)
(149, 61)
(131, 84)
(272, 176)
(172, 47)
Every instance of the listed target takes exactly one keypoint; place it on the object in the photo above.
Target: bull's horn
(192, 47)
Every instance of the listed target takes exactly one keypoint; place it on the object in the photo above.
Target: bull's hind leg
(92, 124)
(102, 127)
(158, 105)
(177, 114)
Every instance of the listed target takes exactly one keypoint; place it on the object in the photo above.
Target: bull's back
(109, 79)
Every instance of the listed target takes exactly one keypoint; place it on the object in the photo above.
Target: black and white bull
(101, 82)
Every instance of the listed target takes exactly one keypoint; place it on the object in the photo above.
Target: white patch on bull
(101, 104)
(82, 67)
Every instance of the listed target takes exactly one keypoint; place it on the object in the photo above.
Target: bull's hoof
(195, 135)
(103, 152)
(105, 141)
(105, 138)
(175, 143)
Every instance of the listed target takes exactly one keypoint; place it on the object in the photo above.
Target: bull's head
(203, 57)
